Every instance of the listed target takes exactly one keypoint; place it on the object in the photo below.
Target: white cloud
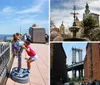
(7, 10)
(63, 14)
(95, 7)
(23, 17)
(33, 9)
(30, 10)
(36, 8)
(67, 4)
(59, 15)
(28, 21)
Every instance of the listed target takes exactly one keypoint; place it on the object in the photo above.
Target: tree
(89, 24)
(96, 34)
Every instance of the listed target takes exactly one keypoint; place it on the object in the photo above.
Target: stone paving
(39, 69)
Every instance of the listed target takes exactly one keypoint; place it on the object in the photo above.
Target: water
(5, 36)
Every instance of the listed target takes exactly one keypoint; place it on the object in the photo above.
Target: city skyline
(61, 10)
(16, 15)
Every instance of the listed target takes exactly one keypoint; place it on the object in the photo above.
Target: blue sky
(23, 13)
(61, 9)
(68, 50)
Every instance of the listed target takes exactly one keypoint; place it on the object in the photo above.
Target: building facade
(37, 34)
(58, 64)
(92, 62)
(88, 13)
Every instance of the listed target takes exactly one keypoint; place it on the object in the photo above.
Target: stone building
(62, 28)
(96, 17)
(37, 34)
(85, 15)
(57, 64)
(88, 13)
(92, 62)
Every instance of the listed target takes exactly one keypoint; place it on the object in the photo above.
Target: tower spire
(87, 11)
(62, 22)
(62, 28)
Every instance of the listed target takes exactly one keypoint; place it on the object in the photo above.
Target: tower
(74, 51)
(62, 28)
(74, 58)
(94, 15)
(87, 11)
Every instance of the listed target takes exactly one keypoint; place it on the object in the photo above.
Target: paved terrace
(39, 69)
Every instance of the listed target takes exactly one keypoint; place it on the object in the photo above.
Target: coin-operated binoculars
(19, 74)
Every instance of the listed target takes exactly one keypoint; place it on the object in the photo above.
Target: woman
(14, 43)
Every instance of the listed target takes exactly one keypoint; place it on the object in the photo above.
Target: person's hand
(23, 46)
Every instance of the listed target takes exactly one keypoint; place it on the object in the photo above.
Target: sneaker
(26, 70)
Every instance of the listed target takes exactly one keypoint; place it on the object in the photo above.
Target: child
(30, 52)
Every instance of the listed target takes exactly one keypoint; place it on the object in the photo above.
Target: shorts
(34, 57)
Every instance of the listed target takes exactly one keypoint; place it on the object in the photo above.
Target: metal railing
(4, 56)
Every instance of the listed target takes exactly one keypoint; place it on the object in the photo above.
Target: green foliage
(96, 35)
(89, 24)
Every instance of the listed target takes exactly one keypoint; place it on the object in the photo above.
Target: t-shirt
(31, 52)
(15, 47)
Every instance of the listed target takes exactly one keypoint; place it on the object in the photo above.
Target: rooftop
(39, 73)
